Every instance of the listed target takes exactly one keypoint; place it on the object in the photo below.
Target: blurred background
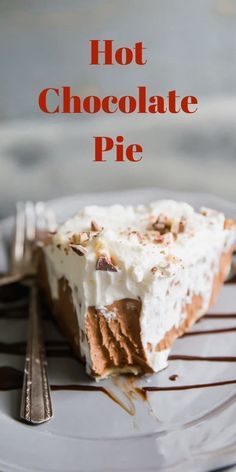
(191, 47)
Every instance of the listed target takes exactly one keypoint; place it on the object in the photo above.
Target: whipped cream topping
(162, 253)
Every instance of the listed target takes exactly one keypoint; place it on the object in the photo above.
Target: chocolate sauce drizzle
(173, 377)
(210, 331)
(231, 280)
(218, 316)
(188, 387)
(12, 379)
(183, 357)
(92, 388)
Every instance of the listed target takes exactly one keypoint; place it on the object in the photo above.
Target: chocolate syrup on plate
(218, 316)
(231, 280)
(183, 357)
(11, 378)
(173, 377)
(210, 331)
(92, 388)
(188, 387)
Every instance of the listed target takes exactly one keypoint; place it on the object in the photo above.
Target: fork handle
(36, 404)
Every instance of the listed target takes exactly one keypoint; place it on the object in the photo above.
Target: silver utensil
(36, 406)
(31, 223)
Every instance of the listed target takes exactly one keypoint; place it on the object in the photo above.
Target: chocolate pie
(124, 282)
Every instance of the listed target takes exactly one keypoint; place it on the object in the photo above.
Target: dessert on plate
(124, 282)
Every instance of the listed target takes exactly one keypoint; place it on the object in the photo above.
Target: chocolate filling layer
(116, 342)
(62, 308)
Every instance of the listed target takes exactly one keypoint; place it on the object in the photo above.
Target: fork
(31, 223)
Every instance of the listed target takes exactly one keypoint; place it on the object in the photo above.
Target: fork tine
(40, 219)
(17, 251)
(30, 234)
(45, 220)
(31, 224)
(30, 221)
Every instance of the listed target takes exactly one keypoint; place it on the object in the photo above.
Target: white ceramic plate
(176, 430)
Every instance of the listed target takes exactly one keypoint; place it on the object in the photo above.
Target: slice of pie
(124, 282)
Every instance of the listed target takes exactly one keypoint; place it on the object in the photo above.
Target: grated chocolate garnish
(79, 250)
(95, 226)
(103, 263)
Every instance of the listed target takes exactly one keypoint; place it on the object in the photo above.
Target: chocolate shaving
(173, 377)
(94, 226)
(105, 264)
(80, 238)
(79, 250)
(162, 224)
(182, 225)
